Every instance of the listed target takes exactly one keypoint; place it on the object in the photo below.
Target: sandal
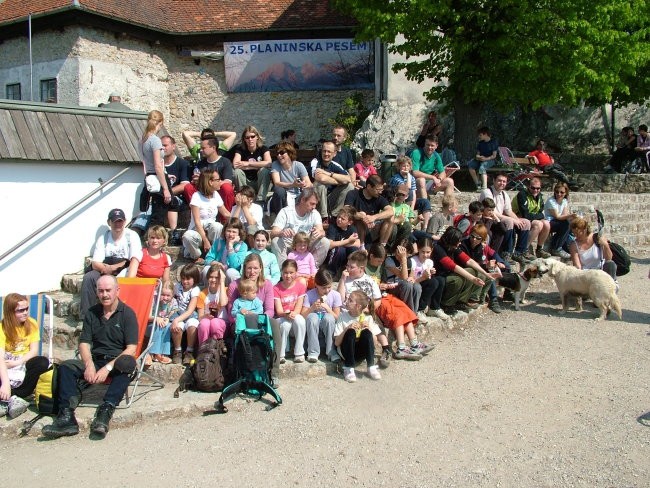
(162, 359)
(148, 361)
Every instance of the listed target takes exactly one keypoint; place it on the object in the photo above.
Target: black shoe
(462, 307)
(103, 416)
(65, 424)
(176, 238)
(494, 306)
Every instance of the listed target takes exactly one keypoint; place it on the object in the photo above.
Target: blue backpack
(253, 360)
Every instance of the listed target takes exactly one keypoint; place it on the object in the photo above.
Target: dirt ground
(529, 399)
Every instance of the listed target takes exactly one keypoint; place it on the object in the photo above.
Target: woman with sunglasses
(557, 212)
(21, 364)
(252, 162)
(475, 246)
(289, 177)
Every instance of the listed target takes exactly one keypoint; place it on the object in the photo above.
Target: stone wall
(89, 64)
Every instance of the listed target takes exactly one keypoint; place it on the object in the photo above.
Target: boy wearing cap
(113, 252)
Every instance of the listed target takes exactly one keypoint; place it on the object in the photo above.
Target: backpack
(210, 366)
(253, 359)
(45, 395)
(619, 255)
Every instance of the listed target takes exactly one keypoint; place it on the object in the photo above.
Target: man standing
(107, 346)
(302, 218)
(428, 169)
(331, 181)
(213, 160)
(177, 170)
(374, 212)
(513, 224)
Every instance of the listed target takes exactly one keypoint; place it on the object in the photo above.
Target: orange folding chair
(141, 295)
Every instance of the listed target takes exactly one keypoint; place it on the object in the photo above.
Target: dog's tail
(615, 304)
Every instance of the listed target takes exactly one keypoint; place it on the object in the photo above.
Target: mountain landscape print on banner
(309, 76)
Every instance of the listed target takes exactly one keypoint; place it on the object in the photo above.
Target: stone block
(71, 283)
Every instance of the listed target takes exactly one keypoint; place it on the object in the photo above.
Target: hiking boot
(384, 359)
(495, 306)
(473, 304)
(103, 416)
(349, 375)
(423, 348)
(518, 257)
(4, 408)
(439, 313)
(17, 407)
(561, 253)
(541, 253)
(299, 359)
(408, 354)
(423, 319)
(529, 256)
(188, 357)
(373, 372)
(65, 424)
(176, 357)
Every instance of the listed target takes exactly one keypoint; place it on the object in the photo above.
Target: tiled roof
(192, 16)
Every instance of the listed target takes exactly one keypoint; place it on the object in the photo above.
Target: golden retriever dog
(594, 283)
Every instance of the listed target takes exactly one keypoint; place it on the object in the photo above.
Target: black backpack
(619, 255)
(210, 366)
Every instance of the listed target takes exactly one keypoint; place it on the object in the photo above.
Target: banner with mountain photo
(299, 65)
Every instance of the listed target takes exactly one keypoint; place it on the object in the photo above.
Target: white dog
(594, 283)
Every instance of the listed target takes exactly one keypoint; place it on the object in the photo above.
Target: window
(13, 91)
(48, 90)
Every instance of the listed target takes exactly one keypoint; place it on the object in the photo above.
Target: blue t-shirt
(486, 148)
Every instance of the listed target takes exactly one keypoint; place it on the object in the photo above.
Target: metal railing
(66, 211)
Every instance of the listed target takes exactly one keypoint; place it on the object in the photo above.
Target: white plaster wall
(33, 193)
(402, 91)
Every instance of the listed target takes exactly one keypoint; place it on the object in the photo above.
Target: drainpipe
(31, 67)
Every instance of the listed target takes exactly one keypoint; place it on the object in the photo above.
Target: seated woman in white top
(586, 253)
(206, 205)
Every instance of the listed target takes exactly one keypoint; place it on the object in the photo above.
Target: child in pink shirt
(304, 259)
(366, 167)
(289, 295)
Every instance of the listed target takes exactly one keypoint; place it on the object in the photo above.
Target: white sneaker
(439, 313)
(17, 407)
(373, 372)
(349, 375)
(422, 318)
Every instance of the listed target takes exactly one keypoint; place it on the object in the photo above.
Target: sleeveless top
(152, 268)
(590, 258)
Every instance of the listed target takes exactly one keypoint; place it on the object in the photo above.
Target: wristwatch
(109, 367)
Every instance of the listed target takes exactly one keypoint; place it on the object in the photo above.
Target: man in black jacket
(529, 204)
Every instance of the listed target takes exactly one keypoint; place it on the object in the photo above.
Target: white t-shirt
(366, 284)
(289, 218)
(258, 215)
(501, 200)
(551, 203)
(418, 266)
(185, 297)
(346, 319)
(208, 207)
(125, 247)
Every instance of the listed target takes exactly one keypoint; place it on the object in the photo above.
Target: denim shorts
(481, 166)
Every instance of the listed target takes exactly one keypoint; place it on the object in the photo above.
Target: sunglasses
(282, 153)
(400, 194)
(474, 236)
(250, 137)
(22, 310)
(560, 193)
(535, 188)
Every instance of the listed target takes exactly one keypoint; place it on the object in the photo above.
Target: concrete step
(71, 283)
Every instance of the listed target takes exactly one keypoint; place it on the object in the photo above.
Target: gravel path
(520, 399)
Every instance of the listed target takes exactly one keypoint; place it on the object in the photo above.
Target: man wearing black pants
(107, 346)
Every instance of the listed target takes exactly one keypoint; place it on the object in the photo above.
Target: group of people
(398, 262)
(631, 147)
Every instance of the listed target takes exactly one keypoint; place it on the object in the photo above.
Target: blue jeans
(481, 166)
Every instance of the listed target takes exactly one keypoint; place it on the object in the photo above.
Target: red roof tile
(192, 16)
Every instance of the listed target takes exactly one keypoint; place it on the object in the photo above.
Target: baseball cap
(116, 214)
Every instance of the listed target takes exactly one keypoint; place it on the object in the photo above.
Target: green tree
(510, 53)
